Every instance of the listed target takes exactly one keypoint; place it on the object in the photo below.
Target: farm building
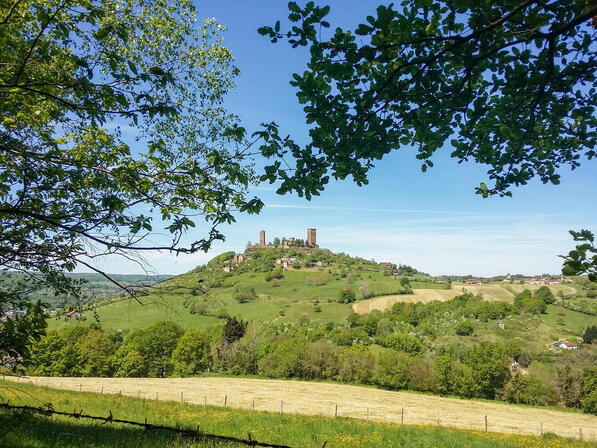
(565, 344)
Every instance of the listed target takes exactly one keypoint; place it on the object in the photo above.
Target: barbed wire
(48, 410)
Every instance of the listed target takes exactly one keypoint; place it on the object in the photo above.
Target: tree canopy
(111, 118)
(507, 84)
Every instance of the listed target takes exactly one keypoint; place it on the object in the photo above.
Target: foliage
(74, 78)
(583, 259)
(277, 273)
(527, 389)
(507, 84)
(588, 389)
(402, 343)
(391, 370)
(490, 368)
(346, 295)
(148, 352)
(590, 334)
(544, 294)
(244, 294)
(192, 354)
(19, 332)
(464, 328)
(85, 351)
(233, 330)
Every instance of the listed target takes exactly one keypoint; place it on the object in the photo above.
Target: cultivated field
(489, 292)
(419, 295)
(310, 398)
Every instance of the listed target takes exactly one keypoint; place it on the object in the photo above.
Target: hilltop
(263, 284)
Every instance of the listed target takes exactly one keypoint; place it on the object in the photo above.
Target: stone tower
(262, 238)
(312, 237)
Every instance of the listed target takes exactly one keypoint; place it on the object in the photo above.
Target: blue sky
(432, 221)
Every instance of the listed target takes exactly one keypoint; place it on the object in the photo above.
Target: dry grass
(308, 398)
(496, 291)
(419, 295)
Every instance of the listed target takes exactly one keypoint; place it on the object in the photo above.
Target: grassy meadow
(294, 430)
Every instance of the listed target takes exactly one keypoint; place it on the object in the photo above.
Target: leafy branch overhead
(510, 85)
(583, 259)
(112, 118)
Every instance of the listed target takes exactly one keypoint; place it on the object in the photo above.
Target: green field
(293, 430)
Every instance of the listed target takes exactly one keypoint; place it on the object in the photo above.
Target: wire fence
(419, 411)
(47, 410)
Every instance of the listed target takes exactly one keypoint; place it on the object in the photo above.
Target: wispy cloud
(397, 210)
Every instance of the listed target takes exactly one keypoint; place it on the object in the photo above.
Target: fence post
(336, 411)
(253, 404)
(156, 395)
(402, 416)
(205, 401)
(541, 426)
(485, 423)
(102, 390)
(225, 400)
(281, 407)
(139, 394)
(438, 422)
(580, 433)
(80, 387)
(181, 397)
(367, 414)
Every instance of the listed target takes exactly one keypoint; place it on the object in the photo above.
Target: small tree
(464, 328)
(590, 334)
(192, 353)
(545, 294)
(405, 283)
(233, 330)
(346, 295)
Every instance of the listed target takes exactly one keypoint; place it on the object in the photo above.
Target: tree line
(378, 349)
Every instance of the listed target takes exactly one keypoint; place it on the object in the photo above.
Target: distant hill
(96, 286)
(256, 286)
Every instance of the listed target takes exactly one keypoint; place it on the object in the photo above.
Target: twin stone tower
(288, 242)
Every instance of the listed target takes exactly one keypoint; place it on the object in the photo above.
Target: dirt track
(310, 398)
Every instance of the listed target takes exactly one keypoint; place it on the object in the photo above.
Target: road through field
(309, 398)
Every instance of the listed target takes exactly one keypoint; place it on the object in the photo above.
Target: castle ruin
(310, 242)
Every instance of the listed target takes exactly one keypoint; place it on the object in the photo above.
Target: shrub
(403, 343)
(527, 389)
(355, 364)
(245, 294)
(392, 370)
(464, 328)
(346, 295)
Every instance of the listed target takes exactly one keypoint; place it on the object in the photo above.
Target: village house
(474, 281)
(286, 262)
(565, 344)
(74, 314)
(387, 264)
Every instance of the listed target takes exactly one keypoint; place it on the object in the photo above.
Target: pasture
(329, 400)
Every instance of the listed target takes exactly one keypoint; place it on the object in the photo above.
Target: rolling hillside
(200, 298)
